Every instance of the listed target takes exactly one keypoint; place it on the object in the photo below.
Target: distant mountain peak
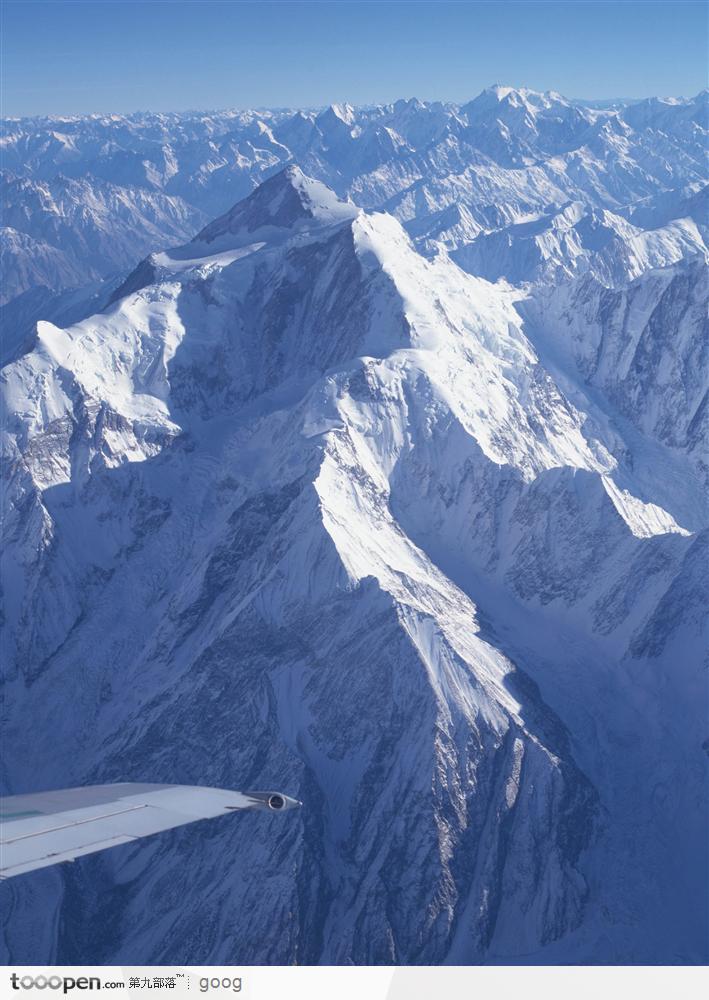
(501, 92)
(338, 113)
(515, 97)
(284, 201)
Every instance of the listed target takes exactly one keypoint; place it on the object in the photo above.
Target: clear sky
(71, 57)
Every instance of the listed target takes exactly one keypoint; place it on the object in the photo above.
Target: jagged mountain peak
(515, 97)
(337, 115)
(285, 201)
(409, 104)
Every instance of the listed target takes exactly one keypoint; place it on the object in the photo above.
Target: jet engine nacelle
(275, 801)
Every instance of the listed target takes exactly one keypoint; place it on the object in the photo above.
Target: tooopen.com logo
(63, 983)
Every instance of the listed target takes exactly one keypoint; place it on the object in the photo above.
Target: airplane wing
(45, 828)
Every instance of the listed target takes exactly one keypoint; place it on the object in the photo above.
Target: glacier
(386, 486)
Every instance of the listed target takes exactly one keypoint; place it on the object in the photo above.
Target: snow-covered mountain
(576, 240)
(303, 507)
(103, 191)
(65, 232)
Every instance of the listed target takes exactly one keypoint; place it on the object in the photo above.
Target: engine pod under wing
(46, 828)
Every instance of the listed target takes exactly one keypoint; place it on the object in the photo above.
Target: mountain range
(102, 191)
(387, 487)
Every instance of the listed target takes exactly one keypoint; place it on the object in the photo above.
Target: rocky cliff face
(301, 508)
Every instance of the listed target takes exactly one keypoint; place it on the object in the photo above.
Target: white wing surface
(45, 828)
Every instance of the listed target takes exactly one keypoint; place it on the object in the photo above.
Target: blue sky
(70, 57)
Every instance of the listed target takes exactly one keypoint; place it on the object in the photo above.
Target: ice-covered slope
(644, 347)
(301, 508)
(578, 241)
